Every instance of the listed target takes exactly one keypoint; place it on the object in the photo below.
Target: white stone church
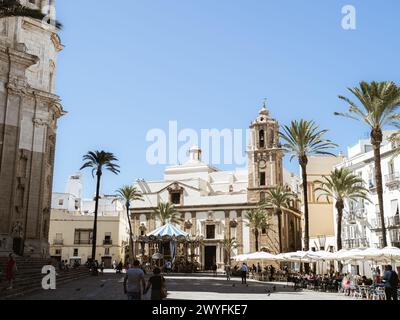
(214, 203)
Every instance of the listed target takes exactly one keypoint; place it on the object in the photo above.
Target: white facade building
(214, 203)
(361, 222)
(71, 226)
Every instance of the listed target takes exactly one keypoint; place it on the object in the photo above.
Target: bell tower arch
(265, 156)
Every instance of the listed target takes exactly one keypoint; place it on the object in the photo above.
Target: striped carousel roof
(168, 230)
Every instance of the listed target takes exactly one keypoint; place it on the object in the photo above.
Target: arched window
(262, 138)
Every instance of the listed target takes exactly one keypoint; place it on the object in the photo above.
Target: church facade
(29, 110)
(214, 204)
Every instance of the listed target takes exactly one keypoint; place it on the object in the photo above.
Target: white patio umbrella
(240, 257)
(391, 253)
(262, 256)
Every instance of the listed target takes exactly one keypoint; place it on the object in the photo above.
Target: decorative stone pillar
(194, 224)
(240, 232)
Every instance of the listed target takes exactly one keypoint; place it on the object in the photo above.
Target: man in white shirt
(133, 279)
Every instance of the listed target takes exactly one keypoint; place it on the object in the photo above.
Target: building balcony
(393, 222)
(107, 242)
(58, 242)
(376, 224)
(83, 242)
(392, 180)
(355, 243)
(356, 215)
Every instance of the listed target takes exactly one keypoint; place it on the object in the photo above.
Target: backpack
(394, 279)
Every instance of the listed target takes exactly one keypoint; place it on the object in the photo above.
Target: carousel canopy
(168, 230)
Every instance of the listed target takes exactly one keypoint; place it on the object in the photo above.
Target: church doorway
(210, 257)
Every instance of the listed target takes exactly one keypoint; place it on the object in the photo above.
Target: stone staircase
(29, 276)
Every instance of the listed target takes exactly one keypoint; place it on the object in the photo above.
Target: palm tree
(341, 185)
(279, 198)
(127, 194)
(228, 244)
(99, 160)
(167, 213)
(13, 8)
(303, 139)
(379, 106)
(257, 219)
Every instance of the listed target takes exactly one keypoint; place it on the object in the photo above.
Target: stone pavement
(183, 287)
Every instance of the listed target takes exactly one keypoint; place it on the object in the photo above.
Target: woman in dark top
(157, 284)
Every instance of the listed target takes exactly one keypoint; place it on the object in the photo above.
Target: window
(395, 206)
(58, 252)
(262, 178)
(83, 236)
(263, 231)
(391, 167)
(176, 197)
(76, 252)
(210, 231)
(107, 238)
(262, 138)
(60, 202)
(107, 251)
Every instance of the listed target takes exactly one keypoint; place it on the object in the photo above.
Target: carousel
(169, 243)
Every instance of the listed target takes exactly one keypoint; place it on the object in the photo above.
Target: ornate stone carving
(188, 224)
(38, 122)
(233, 224)
(17, 230)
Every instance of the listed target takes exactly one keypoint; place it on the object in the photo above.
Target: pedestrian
(168, 266)
(259, 268)
(119, 267)
(114, 265)
(11, 269)
(272, 271)
(228, 272)
(134, 282)
(214, 269)
(102, 268)
(157, 284)
(391, 280)
(243, 272)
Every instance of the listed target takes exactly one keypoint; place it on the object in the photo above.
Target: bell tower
(264, 155)
(29, 111)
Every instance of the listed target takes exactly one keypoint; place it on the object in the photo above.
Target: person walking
(102, 267)
(228, 272)
(214, 268)
(243, 272)
(119, 267)
(157, 285)
(11, 270)
(134, 282)
(168, 266)
(391, 281)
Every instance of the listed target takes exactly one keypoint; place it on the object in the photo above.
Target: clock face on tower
(262, 164)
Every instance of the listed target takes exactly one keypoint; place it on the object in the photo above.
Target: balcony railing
(356, 215)
(376, 224)
(83, 241)
(107, 242)
(355, 243)
(392, 179)
(394, 221)
(58, 242)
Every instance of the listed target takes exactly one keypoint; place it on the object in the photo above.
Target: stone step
(30, 285)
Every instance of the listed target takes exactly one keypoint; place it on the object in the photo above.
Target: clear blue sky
(134, 66)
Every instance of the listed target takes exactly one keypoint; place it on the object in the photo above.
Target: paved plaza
(183, 287)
